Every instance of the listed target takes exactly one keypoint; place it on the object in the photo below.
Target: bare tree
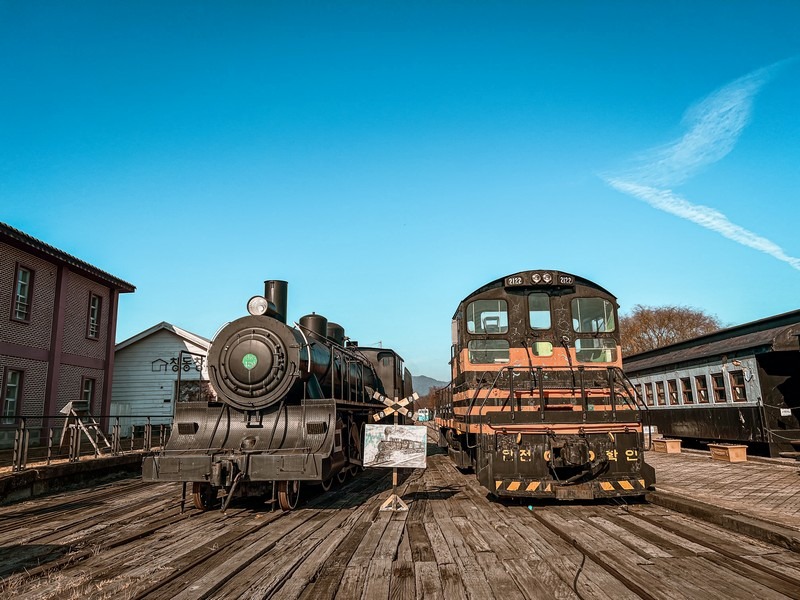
(650, 327)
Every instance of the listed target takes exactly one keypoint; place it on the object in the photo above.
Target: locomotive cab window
(539, 310)
(594, 350)
(487, 316)
(488, 351)
(592, 315)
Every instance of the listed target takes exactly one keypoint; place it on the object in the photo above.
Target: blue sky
(388, 158)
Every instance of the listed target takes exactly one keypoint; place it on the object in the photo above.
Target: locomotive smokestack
(275, 291)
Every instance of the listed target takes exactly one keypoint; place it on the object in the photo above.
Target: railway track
(131, 541)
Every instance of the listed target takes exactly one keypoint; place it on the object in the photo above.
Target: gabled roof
(17, 238)
(182, 333)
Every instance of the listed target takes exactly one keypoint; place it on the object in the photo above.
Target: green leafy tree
(650, 327)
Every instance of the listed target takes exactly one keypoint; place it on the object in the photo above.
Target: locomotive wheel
(341, 476)
(203, 495)
(288, 494)
(326, 484)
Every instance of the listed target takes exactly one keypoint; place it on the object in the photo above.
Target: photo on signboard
(395, 446)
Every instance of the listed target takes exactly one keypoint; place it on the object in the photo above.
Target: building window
(686, 388)
(738, 387)
(673, 392)
(23, 292)
(660, 396)
(93, 321)
(87, 391)
(702, 389)
(12, 387)
(718, 383)
(648, 390)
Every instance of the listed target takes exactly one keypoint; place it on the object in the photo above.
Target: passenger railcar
(290, 405)
(538, 405)
(738, 385)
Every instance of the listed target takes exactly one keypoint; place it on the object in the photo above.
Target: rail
(34, 444)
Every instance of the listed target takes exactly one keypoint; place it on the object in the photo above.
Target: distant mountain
(423, 384)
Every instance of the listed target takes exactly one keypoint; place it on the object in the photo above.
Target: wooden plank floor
(769, 490)
(131, 542)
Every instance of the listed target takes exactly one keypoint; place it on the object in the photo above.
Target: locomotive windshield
(539, 310)
(488, 351)
(592, 315)
(596, 350)
(487, 316)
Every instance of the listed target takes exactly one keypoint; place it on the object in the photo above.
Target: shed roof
(17, 238)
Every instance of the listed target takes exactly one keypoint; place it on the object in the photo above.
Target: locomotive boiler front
(257, 361)
(254, 361)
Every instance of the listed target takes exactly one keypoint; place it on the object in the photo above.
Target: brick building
(58, 318)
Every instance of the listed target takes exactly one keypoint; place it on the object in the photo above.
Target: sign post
(395, 407)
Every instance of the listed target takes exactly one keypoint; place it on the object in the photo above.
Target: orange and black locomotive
(538, 405)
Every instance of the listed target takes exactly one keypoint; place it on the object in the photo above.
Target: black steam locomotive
(290, 405)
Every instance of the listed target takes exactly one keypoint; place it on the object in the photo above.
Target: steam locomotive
(538, 405)
(289, 405)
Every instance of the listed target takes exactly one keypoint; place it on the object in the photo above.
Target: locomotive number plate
(580, 491)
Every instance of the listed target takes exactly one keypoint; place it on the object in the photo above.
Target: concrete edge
(46, 479)
(748, 525)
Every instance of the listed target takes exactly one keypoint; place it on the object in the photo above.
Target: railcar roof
(500, 282)
(759, 336)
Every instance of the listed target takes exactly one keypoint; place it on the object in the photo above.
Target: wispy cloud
(713, 127)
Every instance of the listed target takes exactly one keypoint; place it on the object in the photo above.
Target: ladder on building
(80, 420)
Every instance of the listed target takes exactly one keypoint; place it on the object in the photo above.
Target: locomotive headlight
(257, 305)
(536, 278)
(547, 277)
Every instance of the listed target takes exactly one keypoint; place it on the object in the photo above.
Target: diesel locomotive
(289, 405)
(538, 405)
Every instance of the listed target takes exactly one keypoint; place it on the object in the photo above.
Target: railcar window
(539, 310)
(737, 386)
(660, 395)
(702, 389)
(594, 350)
(648, 390)
(673, 391)
(488, 351)
(718, 382)
(487, 316)
(592, 315)
(686, 387)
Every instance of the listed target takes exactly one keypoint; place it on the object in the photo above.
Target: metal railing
(64, 440)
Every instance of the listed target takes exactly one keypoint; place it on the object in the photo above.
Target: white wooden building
(146, 371)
